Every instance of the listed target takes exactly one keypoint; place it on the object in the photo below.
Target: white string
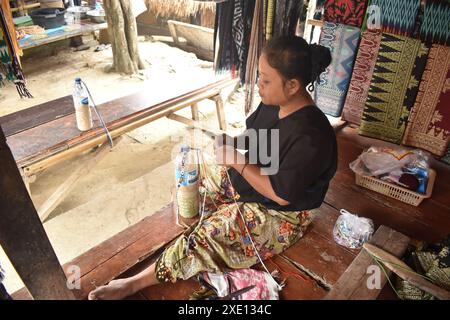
(242, 217)
(251, 240)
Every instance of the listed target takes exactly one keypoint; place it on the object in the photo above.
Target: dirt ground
(135, 178)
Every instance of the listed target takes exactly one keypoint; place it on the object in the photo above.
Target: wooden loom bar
(74, 147)
(66, 149)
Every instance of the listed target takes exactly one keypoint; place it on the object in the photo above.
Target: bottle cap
(77, 79)
(185, 148)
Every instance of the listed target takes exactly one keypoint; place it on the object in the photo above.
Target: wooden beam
(352, 285)
(23, 237)
(25, 7)
(81, 169)
(406, 272)
(194, 124)
(313, 22)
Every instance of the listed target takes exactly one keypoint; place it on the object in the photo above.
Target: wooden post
(194, 111)
(220, 112)
(23, 237)
(173, 32)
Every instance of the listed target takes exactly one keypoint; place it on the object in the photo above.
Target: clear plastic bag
(352, 231)
(376, 161)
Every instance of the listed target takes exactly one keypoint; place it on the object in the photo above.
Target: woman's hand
(228, 156)
(223, 140)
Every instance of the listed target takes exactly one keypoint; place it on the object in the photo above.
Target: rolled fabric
(331, 90)
(429, 122)
(397, 16)
(361, 76)
(269, 20)
(393, 89)
(349, 12)
(435, 27)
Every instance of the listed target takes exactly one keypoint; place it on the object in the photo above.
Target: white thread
(251, 240)
(280, 287)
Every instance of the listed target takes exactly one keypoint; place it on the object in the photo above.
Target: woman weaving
(276, 206)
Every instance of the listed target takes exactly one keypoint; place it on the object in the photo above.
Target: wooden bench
(45, 135)
(193, 38)
(65, 32)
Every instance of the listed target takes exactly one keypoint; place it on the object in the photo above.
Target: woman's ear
(293, 86)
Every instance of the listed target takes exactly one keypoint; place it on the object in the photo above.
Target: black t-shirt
(307, 157)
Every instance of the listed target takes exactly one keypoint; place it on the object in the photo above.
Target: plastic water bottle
(81, 103)
(187, 179)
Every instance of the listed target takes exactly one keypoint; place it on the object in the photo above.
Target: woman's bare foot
(115, 290)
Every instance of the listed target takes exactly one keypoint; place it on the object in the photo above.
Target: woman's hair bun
(320, 60)
(294, 58)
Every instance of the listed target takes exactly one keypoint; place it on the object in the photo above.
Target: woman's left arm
(229, 157)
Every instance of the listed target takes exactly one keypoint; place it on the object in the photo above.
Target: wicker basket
(395, 191)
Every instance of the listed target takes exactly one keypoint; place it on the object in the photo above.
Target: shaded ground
(135, 179)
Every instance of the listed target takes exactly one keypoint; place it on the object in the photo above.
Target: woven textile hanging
(241, 27)
(393, 88)
(287, 13)
(429, 122)
(398, 16)
(435, 27)
(361, 76)
(232, 36)
(342, 41)
(224, 47)
(255, 47)
(269, 14)
(10, 69)
(349, 12)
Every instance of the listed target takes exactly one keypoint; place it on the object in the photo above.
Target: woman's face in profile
(270, 83)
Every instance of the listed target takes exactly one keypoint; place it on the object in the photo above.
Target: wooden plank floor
(315, 262)
(316, 256)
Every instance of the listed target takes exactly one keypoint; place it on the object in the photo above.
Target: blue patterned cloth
(398, 16)
(435, 26)
(342, 40)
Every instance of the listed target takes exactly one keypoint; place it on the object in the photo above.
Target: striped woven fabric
(342, 41)
(398, 16)
(349, 12)
(393, 88)
(269, 18)
(429, 122)
(361, 76)
(435, 25)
